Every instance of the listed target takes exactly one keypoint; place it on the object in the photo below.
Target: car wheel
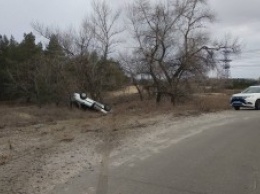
(236, 107)
(83, 96)
(107, 108)
(257, 105)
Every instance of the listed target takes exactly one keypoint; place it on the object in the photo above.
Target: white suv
(249, 98)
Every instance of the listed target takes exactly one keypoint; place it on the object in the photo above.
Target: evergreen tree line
(30, 72)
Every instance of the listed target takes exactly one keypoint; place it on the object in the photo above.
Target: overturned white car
(82, 101)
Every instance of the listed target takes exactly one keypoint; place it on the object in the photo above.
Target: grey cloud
(16, 15)
(236, 11)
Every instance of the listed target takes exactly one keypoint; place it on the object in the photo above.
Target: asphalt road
(224, 159)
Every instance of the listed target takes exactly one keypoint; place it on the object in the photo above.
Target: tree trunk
(139, 92)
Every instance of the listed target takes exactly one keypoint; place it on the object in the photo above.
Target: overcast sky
(241, 18)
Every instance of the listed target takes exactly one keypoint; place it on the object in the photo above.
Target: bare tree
(134, 69)
(89, 49)
(103, 26)
(66, 38)
(98, 37)
(171, 40)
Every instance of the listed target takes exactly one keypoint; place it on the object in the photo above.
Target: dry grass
(5, 158)
(124, 92)
(194, 105)
(210, 102)
(66, 137)
(122, 107)
(24, 116)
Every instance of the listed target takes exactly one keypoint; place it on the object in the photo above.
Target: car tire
(257, 105)
(83, 96)
(236, 107)
(107, 108)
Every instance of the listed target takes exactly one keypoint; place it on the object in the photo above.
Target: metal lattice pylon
(226, 63)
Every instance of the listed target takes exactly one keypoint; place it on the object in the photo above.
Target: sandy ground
(40, 151)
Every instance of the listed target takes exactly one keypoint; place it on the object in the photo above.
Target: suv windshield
(252, 90)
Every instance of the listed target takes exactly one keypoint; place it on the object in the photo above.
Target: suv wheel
(257, 105)
(236, 107)
(107, 108)
(83, 96)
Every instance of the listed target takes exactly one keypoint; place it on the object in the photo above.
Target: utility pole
(226, 66)
(226, 63)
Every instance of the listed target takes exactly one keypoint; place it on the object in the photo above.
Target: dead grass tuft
(194, 105)
(123, 107)
(5, 158)
(25, 116)
(66, 137)
(211, 103)
(2, 126)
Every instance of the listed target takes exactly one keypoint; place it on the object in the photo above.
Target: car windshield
(252, 90)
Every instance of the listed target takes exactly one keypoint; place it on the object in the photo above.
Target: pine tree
(54, 48)
(28, 49)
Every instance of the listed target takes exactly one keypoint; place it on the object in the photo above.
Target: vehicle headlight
(248, 97)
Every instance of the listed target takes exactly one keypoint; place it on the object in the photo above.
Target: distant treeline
(239, 83)
(48, 75)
